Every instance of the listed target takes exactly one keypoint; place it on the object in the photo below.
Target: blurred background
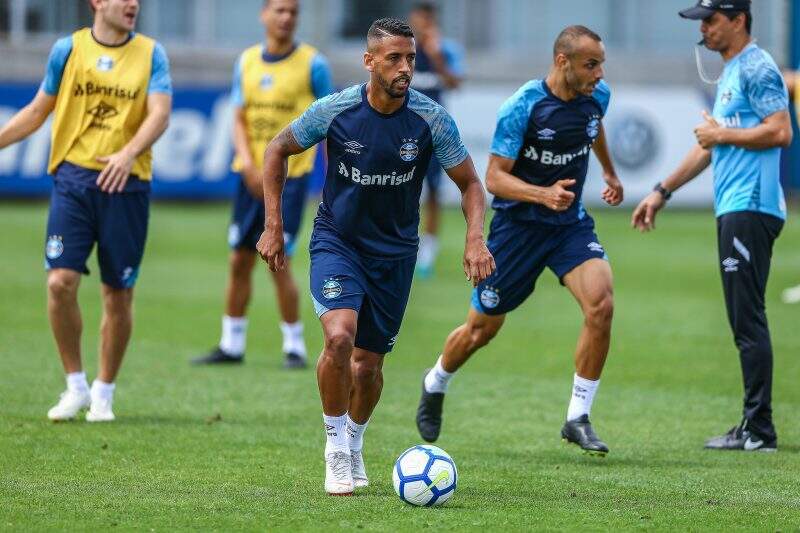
(657, 94)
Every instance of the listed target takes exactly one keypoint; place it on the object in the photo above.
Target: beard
(394, 88)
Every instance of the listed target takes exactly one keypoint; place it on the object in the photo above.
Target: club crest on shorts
(489, 298)
(104, 63)
(593, 128)
(409, 150)
(331, 289)
(54, 247)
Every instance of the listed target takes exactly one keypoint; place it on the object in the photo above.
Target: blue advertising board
(190, 161)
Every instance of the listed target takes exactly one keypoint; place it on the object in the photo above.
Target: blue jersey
(376, 165)
(549, 140)
(426, 80)
(750, 90)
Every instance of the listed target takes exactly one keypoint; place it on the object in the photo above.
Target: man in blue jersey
(438, 68)
(380, 138)
(742, 141)
(537, 168)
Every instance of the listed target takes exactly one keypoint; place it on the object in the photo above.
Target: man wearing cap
(742, 140)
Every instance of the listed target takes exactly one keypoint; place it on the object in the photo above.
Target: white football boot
(360, 479)
(100, 411)
(69, 405)
(338, 474)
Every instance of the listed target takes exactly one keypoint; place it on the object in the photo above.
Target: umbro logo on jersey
(546, 134)
(731, 264)
(354, 147)
(103, 111)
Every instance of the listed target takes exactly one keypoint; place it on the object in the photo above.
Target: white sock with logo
(293, 338)
(76, 382)
(234, 335)
(337, 435)
(355, 434)
(102, 390)
(428, 248)
(438, 378)
(583, 391)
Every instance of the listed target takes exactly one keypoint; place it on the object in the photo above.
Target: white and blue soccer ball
(424, 475)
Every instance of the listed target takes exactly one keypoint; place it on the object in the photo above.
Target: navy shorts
(247, 220)
(522, 250)
(81, 216)
(433, 178)
(377, 289)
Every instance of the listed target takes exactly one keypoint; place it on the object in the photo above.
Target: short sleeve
(512, 121)
(764, 87)
(447, 144)
(237, 97)
(56, 62)
(602, 93)
(312, 126)
(321, 76)
(454, 57)
(160, 80)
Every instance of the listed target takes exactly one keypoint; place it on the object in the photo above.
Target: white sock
(76, 382)
(428, 248)
(355, 434)
(293, 338)
(234, 335)
(102, 390)
(583, 391)
(438, 379)
(337, 435)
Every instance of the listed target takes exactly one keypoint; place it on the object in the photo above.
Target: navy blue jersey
(376, 165)
(550, 140)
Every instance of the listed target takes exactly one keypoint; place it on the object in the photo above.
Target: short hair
(388, 27)
(429, 8)
(565, 42)
(748, 18)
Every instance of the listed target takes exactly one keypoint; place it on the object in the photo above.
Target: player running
(438, 68)
(380, 140)
(742, 140)
(272, 84)
(111, 94)
(537, 168)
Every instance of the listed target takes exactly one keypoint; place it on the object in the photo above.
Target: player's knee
(241, 264)
(600, 312)
(62, 284)
(339, 344)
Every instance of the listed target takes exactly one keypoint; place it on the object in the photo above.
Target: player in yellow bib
(110, 91)
(273, 83)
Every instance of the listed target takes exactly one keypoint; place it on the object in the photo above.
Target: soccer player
(272, 84)
(111, 94)
(380, 140)
(537, 168)
(438, 68)
(742, 141)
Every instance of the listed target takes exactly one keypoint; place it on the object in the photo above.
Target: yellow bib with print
(101, 102)
(274, 95)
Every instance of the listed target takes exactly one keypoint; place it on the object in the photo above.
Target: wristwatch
(664, 192)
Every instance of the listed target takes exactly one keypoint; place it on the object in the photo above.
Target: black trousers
(745, 242)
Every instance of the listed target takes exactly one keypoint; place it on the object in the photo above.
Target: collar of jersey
(734, 59)
(383, 115)
(270, 58)
(131, 35)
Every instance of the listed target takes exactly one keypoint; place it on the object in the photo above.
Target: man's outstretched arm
(28, 119)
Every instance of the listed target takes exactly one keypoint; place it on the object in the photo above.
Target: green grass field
(241, 448)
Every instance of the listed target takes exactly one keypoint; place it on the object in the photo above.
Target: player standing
(111, 94)
(742, 141)
(380, 140)
(537, 168)
(438, 68)
(272, 84)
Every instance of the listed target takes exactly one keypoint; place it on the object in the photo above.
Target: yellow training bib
(101, 102)
(274, 95)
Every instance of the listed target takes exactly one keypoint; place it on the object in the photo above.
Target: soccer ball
(424, 475)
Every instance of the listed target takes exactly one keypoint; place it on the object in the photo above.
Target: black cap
(706, 8)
